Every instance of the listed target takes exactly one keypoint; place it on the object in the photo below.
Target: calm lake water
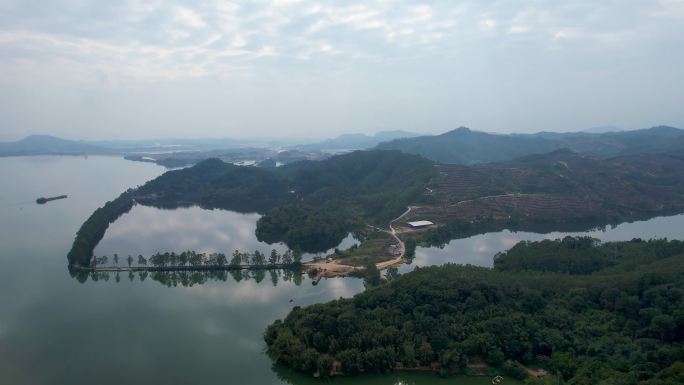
(55, 330)
(147, 230)
(479, 249)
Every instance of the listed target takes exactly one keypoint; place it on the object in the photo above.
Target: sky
(313, 69)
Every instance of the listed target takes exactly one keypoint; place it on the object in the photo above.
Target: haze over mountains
(465, 146)
(49, 145)
(358, 141)
(459, 146)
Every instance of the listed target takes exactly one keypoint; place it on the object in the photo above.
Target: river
(55, 330)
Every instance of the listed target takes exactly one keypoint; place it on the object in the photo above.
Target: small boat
(43, 200)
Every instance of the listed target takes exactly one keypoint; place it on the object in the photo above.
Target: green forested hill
(620, 325)
(542, 192)
(372, 184)
(464, 146)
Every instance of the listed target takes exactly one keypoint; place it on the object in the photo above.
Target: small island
(43, 200)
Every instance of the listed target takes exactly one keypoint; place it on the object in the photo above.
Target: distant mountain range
(357, 141)
(49, 145)
(459, 146)
(465, 146)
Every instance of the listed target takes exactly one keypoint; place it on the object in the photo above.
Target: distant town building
(417, 224)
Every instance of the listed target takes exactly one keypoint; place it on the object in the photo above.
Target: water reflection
(192, 278)
(289, 376)
(480, 249)
(148, 230)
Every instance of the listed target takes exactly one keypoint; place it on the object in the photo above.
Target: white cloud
(382, 48)
(214, 35)
(487, 24)
(519, 28)
(189, 18)
(566, 34)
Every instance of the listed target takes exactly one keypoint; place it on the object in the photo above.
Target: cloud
(189, 18)
(418, 58)
(154, 40)
(487, 24)
(519, 28)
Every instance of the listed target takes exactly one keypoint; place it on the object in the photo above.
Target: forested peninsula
(618, 321)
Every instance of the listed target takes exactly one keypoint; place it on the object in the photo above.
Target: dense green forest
(305, 227)
(374, 185)
(621, 324)
(580, 255)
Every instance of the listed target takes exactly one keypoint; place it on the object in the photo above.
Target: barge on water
(43, 200)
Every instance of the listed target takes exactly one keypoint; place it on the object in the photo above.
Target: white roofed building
(417, 224)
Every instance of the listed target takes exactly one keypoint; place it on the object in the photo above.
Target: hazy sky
(292, 69)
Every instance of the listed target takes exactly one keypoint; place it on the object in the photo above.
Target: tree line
(94, 228)
(195, 259)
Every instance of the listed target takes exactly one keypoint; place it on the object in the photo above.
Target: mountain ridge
(466, 146)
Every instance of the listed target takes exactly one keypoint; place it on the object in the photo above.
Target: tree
(141, 260)
(392, 273)
(116, 259)
(183, 258)
(350, 360)
(221, 259)
(371, 274)
(158, 259)
(514, 369)
(196, 259)
(410, 246)
(129, 260)
(325, 365)
(274, 257)
(258, 258)
(297, 257)
(236, 260)
(245, 258)
(287, 258)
